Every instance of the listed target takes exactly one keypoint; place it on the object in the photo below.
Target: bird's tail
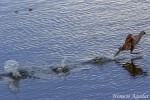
(120, 49)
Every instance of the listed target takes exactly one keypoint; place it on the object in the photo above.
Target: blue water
(76, 31)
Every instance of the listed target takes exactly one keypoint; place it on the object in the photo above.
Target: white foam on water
(11, 66)
(63, 62)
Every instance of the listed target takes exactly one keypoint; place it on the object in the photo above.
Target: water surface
(77, 31)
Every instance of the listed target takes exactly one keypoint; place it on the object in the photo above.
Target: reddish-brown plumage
(127, 43)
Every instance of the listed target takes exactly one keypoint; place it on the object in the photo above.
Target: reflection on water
(133, 69)
(13, 83)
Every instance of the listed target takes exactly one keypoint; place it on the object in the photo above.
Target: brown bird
(130, 43)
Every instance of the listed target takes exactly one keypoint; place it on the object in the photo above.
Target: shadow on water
(133, 69)
(48, 72)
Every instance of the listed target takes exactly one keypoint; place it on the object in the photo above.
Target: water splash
(63, 62)
(62, 69)
(11, 66)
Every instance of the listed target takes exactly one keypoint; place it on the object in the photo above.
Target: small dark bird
(16, 11)
(30, 9)
(130, 43)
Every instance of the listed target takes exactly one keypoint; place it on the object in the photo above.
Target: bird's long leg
(120, 49)
(132, 48)
(136, 52)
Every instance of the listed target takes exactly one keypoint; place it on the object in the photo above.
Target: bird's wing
(128, 42)
(132, 45)
(126, 45)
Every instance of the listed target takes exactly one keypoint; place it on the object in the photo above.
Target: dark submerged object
(130, 43)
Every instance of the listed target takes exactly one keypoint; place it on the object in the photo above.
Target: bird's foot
(136, 52)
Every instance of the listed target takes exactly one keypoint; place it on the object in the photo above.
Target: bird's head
(142, 33)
